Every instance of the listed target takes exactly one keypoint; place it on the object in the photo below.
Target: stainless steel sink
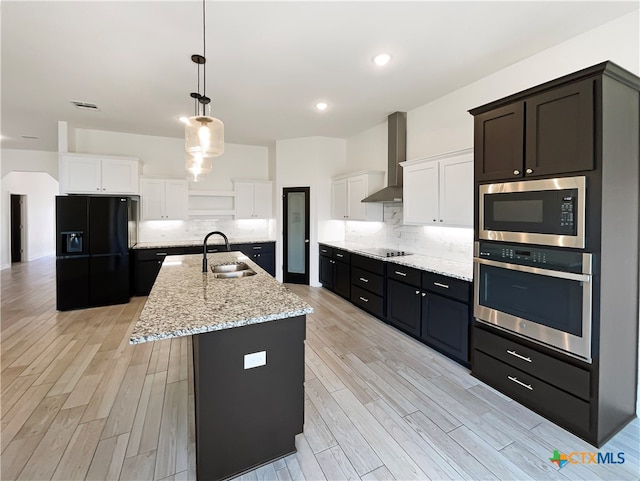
(236, 266)
(234, 275)
(232, 271)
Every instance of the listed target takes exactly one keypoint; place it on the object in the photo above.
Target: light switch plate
(255, 359)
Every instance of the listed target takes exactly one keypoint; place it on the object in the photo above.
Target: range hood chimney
(397, 152)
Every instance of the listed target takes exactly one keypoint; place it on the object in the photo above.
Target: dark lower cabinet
(551, 384)
(146, 263)
(445, 325)
(335, 270)
(342, 279)
(326, 272)
(262, 253)
(404, 306)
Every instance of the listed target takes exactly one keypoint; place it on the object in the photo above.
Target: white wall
(164, 157)
(309, 162)
(29, 161)
(444, 125)
(40, 190)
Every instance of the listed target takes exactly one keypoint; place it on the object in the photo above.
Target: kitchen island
(248, 358)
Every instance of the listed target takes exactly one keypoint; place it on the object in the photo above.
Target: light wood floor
(78, 402)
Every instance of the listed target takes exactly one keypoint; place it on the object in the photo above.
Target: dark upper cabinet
(499, 143)
(546, 134)
(559, 130)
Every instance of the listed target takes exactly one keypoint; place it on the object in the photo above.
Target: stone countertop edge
(437, 265)
(193, 243)
(185, 301)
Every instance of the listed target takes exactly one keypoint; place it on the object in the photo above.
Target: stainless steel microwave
(546, 212)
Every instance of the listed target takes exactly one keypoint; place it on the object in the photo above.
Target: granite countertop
(186, 301)
(438, 265)
(213, 240)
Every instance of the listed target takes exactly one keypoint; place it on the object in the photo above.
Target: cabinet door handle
(519, 356)
(339, 255)
(417, 292)
(255, 248)
(434, 220)
(324, 251)
(424, 294)
(364, 299)
(516, 172)
(529, 171)
(403, 274)
(364, 280)
(161, 253)
(441, 220)
(444, 286)
(515, 379)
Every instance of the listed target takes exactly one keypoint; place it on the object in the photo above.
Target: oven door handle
(535, 270)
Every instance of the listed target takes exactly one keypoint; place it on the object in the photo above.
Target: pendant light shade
(197, 166)
(204, 136)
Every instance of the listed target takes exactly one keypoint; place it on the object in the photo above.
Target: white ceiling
(268, 62)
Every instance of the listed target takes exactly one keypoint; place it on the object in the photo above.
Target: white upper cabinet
(163, 199)
(94, 174)
(254, 199)
(347, 192)
(439, 190)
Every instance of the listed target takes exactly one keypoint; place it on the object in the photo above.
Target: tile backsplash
(196, 229)
(455, 243)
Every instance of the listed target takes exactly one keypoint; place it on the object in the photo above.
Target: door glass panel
(550, 301)
(296, 223)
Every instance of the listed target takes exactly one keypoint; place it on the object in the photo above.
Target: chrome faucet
(204, 247)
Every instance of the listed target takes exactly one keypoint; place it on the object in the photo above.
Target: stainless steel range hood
(397, 152)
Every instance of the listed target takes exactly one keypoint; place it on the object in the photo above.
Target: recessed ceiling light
(84, 105)
(381, 59)
(321, 106)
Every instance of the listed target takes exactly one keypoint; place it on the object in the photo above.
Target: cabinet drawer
(367, 301)
(447, 286)
(408, 275)
(325, 251)
(368, 264)
(254, 248)
(152, 254)
(554, 371)
(342, 256)
(568, 410)
(368, 281)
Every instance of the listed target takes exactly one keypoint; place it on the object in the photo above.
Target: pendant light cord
(204, 53)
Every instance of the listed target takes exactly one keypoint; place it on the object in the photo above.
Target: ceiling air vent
(84, 105)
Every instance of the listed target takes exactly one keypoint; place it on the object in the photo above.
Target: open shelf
(211, 204)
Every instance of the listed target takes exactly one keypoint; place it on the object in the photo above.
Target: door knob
(306, 241)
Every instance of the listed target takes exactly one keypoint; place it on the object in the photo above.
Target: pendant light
(203, 134)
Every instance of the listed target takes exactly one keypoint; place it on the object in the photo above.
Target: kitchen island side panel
(248, 417)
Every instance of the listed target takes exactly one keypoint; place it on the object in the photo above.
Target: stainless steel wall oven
(541, 294)
(546, 212)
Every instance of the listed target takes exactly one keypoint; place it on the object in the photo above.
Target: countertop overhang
(185, 301)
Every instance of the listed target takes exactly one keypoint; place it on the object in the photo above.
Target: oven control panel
(522, 254)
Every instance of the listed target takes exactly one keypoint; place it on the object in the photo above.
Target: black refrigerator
(93, 237)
